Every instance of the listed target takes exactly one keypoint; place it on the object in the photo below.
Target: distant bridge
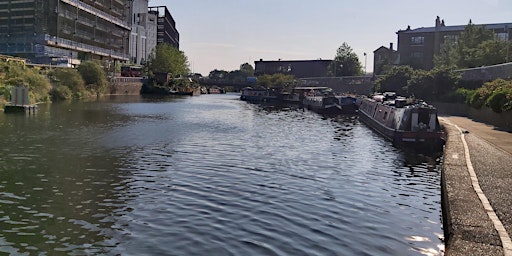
(347, 84)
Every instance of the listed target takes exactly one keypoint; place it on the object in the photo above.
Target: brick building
(298, 68)
(417, 47)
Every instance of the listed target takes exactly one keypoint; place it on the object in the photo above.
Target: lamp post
(364, 63)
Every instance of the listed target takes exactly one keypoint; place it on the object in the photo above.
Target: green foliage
(345, 63)
(247, 69)
(495, 94)
(218, 74)
(476, 46)
(278, 80)
(235, 76)
(461, 95)
(67, 84)
(94, 77)
(498, 100)
(61, 92)
(167, 59)
(15, 73)
(406, 81)
(395, 79)
(432, 84)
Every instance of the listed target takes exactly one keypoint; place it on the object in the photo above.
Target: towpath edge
(467, 226)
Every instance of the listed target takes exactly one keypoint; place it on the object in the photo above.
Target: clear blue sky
(223, 34)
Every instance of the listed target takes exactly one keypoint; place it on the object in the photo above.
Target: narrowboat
(322, 100)
(403, 121)
(258, 95)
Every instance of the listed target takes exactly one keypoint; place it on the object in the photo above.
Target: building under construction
(64, 31)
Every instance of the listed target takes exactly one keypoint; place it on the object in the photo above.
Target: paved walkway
(477, 210)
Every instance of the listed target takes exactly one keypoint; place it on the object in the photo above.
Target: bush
(461, 95)
(60, 93)
(497, 101)
(70, 78)
(476, 100)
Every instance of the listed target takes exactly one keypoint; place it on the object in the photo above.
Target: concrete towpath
(477, 188)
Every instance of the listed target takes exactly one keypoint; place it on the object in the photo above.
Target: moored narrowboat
(403, 121)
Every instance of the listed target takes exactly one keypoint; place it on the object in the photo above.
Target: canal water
(209, 175)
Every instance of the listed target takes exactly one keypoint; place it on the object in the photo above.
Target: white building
(143, 36)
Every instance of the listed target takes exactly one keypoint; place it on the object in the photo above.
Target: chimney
(438, 22)
(391, 46)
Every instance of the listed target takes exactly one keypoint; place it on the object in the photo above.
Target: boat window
(423, 119)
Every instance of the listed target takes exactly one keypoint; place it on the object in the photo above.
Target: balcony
(87, 8)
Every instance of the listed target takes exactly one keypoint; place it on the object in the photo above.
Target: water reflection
(209, 175)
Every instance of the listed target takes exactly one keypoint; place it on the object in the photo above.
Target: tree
(16, 73)
(218, 74)
(165, 58)
(345, 63)
(277, 80)
(247, 69)
(395, 79)
(476, 46)
(94, 77)
(67, 83)
(432, 84)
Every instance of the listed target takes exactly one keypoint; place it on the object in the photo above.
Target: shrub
(497, 101)
(60, 93)
(476, 100)
(461, 95)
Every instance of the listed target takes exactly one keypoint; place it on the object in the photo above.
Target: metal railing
(87, 8)
(65, 43)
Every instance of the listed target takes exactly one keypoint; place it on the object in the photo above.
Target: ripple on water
(214, 175)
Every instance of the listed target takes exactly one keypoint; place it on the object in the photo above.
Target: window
(450, 39)
(418, 40)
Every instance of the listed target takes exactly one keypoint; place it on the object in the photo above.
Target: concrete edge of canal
(468, 229)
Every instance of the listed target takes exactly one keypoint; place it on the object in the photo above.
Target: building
(64, 31)
(166, 26)
(417, 47)
(143, 35)
(298, 68)
(384, 56)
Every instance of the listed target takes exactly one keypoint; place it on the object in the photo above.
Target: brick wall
(487, 73)
(125, 86)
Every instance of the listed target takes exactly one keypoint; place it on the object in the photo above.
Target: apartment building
(166, 26)
(417, 47)
(46, 31)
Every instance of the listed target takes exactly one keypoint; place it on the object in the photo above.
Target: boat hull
(420, 139)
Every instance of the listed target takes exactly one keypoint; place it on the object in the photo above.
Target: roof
(455, 28)
(383, 48)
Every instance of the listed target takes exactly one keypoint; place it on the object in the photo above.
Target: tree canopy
(345, 63)
(167, 59)
(247, 68)
(94, 76)
(406, 81)
(278, 80)
(476, 46)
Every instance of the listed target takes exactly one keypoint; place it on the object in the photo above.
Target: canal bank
(476, 184)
